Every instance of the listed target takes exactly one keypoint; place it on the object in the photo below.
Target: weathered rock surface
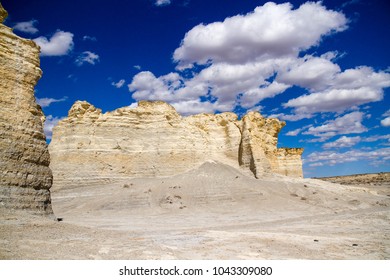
(153, 140)
(25, 177)
(258, 148)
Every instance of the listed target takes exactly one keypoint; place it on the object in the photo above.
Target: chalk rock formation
(289, 161)
(153, 140)
(25, 177)
(258, 148)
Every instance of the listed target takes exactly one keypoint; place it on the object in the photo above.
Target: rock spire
(25, 177)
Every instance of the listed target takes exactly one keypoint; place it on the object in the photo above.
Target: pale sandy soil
(213, 212)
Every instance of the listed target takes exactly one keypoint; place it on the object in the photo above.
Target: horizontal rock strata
(153, 140)
(25, 177)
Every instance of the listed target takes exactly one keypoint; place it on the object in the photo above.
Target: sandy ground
(212, 212)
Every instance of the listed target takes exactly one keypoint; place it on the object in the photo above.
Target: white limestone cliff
(153, 140)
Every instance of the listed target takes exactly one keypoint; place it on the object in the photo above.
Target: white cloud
(373, 157)
(46, 102)
(138, 67)
(255, 95)
(334, 100)
(248, 58)
(89, 38)
(294, 132)
(61, 43)
(317, 164)
(350, 88)
(50, 122)
(385, 122)
(191, 107)
(162, 2)
(241, 55)
(314, 73)
(362, 76)
(87, 57)
(227, 81)
(149, 87)
(27, 26)
(374, 138)
(347, 124)
(292, 117)
(118, 84)
(182, 94)
(342, 142)
(271, 30)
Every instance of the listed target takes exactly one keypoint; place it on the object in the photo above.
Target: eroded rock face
(258, 148)
(25, 177)
(153, 140)
(289, 161)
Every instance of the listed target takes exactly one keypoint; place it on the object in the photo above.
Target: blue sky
(323, 67)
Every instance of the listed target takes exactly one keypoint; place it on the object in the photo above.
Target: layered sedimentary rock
(25, 177)
(258, 148)
(153, 140)
(289, 161)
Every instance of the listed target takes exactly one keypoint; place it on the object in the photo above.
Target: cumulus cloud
(148, 86)
(314, 73)
(334, 100)
(347, 124)
(27, 26)
(184, 95)
(385, 122)
(255, 95)
(271, 30)
(162, 2)
(343, 142)
(373, 157)
(245, 59)
(46, 102)
(61, 43)
(87, 57)
(346, 89)
(50, 122)
(191, 107)
(119, 84)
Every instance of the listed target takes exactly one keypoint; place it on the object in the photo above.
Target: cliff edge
(153, 140)
(25, 177)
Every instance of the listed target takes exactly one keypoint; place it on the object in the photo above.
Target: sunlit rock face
(25, 177)
(153, 140)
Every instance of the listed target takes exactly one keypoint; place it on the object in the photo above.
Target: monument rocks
(153, 140)
(25, 177)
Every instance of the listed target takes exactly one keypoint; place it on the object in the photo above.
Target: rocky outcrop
(25, 177)
(153, 140)
(289, 161)
(258, 148)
